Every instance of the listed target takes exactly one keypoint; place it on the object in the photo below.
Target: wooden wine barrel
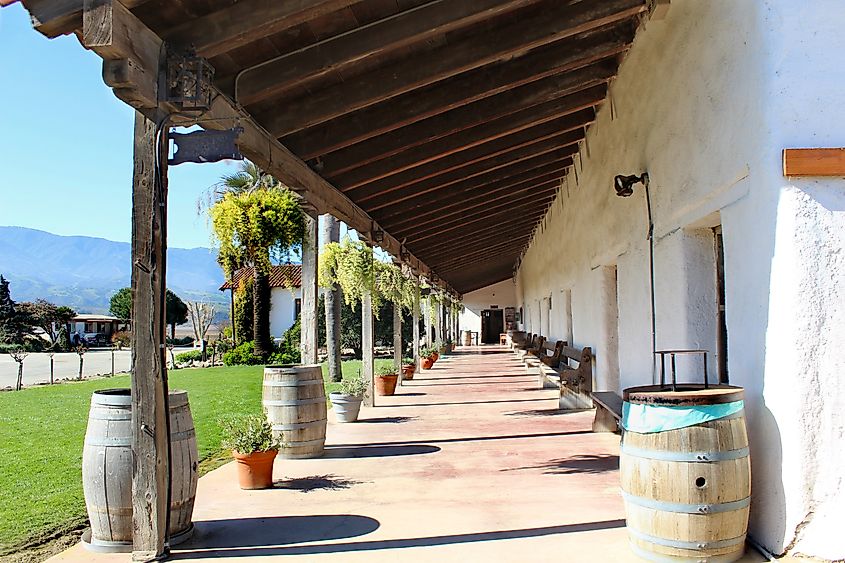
(294, 398)
(687, 490)
(107, 470)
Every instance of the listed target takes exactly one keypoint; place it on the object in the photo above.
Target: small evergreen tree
(11, 325)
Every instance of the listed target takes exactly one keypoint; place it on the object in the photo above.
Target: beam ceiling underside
(450, 123)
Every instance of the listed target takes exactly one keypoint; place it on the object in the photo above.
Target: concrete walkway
(468, 462)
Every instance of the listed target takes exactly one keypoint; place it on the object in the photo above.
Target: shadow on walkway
(472, 402)
(463, 439)
(315, 482)
(240, 533)
(579, 464)
(378, 450)
(249, 551)
(386, 420)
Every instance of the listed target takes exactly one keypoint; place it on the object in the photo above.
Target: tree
(252, 227)
(176, 312)
(330, 228)
(244, 318)
(120, 304)
(11, 325)
(19, 355)
(48, 317)
(202, 315)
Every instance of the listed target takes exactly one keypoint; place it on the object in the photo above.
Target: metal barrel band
(659, 558)
(665, 542)
(695, 457)
(125, 442)
(302, 383)
(687, 508)
(317, 442)
(184, 435)
(299, 426)
(114, 417)
(294, 403)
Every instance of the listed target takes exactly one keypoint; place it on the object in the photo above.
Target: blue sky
(66, 144)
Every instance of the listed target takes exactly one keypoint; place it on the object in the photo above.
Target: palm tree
(330, 228)
(255, 218)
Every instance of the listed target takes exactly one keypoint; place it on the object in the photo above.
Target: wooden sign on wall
(814, 162)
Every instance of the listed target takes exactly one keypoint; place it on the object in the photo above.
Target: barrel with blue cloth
(685, 471)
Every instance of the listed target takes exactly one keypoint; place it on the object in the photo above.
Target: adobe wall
(705, 102)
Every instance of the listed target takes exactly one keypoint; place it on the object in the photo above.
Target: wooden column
(368, 364)
(308, 340)
(397, 338)
(428, 320)
(416, 321)
(150, 436)
(330, 232)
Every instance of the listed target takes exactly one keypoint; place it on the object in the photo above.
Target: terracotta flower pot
(386, 384)
(255, 470)
(408, 371)
(427, 363)
(434, 357)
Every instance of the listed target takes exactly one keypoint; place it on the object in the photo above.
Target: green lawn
(42, 430)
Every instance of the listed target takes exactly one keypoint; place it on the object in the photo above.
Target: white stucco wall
(502, 294)
(705, 102)
(282, 309)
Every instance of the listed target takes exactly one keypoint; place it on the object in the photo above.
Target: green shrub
(121, 338)
(187, 357)
(354, 386)
(387, 369)
(243, 355)
(184, 341)
(246, 434)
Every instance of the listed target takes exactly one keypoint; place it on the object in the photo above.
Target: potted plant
(250, 437)
(346, 403)
(409, 366)
(448, 346)
(427, 354)
(386, 379)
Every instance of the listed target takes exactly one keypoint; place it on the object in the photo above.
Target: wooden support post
(308, 340)
(368, 363)
(330, 232)
(397, 338)
(150, 436)
(416, 321)
(428, 320)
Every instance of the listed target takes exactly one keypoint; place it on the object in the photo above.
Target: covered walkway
(468, 462)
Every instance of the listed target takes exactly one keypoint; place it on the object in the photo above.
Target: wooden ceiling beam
(53, 18)
(500, 141)
(467, 164)
(410, 107)
(579, 107)
(518, 199)
(430, 203)
(513, 39)
(321, 140)
(488, 280)
(561, 156)
(534, 203)
(411, 27)
(246, 21)
(458, 262)
(480, 199)
(487, 234)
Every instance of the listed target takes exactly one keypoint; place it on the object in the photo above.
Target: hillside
(83, 272)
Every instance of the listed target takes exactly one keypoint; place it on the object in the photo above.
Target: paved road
(36, 367)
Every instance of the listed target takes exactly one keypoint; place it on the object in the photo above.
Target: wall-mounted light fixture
(378, 236)
(624, 185)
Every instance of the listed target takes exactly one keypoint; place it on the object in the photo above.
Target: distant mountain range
(84, 272)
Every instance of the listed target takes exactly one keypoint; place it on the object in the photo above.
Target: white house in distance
(285, 294)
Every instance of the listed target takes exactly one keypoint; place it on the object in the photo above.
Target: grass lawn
(42, 430)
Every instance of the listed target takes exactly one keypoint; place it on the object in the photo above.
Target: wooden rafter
(450, 60)
(406, 28)
(322, 140)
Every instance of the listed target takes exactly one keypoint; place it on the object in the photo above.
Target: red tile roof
(286, 275)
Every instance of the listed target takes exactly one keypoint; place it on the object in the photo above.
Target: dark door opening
(492, 325)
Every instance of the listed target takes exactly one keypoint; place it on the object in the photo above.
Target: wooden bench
(576, 382)
(531, 357)
(530, 345)
(608, 411)
(545, 361)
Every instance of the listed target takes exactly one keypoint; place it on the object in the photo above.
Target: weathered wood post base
(150, 436)
(308, 314)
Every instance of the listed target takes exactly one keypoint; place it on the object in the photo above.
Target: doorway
(492, 325)
(721, 320)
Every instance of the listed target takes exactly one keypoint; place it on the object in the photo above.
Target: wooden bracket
(814, 162)
(658, 9)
